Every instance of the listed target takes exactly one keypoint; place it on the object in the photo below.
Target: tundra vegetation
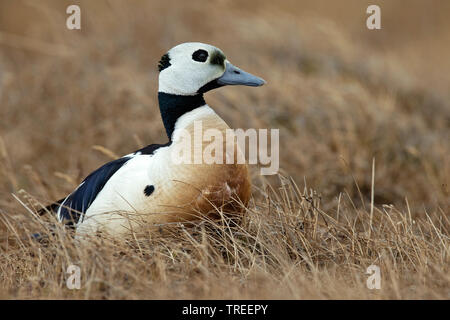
(364, 148)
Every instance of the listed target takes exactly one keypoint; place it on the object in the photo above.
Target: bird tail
(52, 208)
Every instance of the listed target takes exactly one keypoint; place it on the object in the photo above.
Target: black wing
(77, 203)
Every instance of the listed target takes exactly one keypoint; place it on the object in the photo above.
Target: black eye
(200, 55)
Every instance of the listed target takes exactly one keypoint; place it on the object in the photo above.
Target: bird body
(179, 192)
(151, 186)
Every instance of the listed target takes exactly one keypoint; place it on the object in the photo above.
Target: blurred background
(340, 94)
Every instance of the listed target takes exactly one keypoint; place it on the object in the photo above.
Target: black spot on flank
(200, 55)
(164, 62)
(149, 190)
(237, 72)
(218, 58)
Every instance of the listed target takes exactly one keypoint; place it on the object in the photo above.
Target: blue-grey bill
(235, 76)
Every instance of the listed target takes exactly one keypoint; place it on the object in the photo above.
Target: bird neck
(173, 106)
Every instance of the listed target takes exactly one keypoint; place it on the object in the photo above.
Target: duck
(149, 187)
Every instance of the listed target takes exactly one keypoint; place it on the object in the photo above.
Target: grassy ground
(341, 95)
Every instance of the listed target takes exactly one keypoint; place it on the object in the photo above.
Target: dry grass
(340, 94)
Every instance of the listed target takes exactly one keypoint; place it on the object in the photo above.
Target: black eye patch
(200, 55)
(217, 58)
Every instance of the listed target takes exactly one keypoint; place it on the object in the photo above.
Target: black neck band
(173, 106)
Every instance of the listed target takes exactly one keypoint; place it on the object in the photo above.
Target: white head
(193, 67)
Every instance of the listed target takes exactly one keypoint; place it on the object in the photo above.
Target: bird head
(193, 67)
